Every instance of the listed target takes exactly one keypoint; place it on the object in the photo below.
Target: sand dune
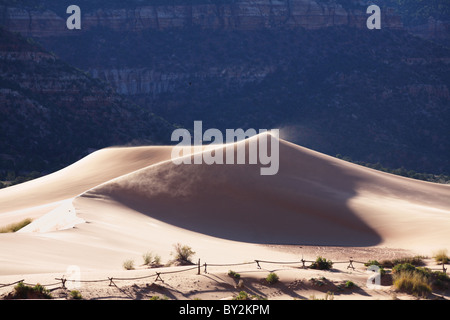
(314, 199)
(128, 201)
(36, 197)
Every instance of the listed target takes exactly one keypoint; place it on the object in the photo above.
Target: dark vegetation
(54, 114)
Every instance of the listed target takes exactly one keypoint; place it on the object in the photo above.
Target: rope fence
(62, 281)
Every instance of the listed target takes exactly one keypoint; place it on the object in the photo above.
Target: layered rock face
(241, 15)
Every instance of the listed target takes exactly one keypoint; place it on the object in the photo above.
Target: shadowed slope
(304, 203)
(96, 168)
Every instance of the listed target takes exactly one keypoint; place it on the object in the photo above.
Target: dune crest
(314, 199)
(125, 201)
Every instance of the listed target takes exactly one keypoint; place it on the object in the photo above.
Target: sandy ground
(214, 283)
(119, 203)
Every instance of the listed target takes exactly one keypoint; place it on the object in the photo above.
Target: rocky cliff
(52, 113)
(311, 67)
(239, 15)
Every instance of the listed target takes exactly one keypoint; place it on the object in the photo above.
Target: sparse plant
(157, 260)
(376, 263)
(349, 284)
(148, 258)
(159, 298)
(128, 264)
(233, 274)
(441, 256)
(322, 264)
(437, 279)
(22, 291)
(328, 296)
(75, 294)
(272, 278)
(13, 227)
(242, 296)
(318, 282)
(412, 283)
(372, 263)
(403, 267)
(415, 261)
(183, 253)
(245, 296)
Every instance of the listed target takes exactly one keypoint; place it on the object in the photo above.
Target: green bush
(75, 294)
(242, 296)
(233, 274)
(272, 278)
(22, 291)
(376, 263)
(433, 278)
(159, 298)
(412, 283)
(372, 263)
(183, 253)
(349, 284)
(403, 267)
(322, 264)
(441, 256)
(415, 261)
(245, 296)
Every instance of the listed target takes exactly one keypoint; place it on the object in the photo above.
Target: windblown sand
(119, 203)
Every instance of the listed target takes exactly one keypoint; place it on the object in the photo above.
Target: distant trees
(10, 178)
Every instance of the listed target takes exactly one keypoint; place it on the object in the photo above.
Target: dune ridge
(131, 200)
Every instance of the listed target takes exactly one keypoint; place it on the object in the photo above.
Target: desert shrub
(148, 258)
(318, 282)
(13, 227)
(440, 280)
(376, 263)
(441, 256)
(328, 296)
(157, 259)
(403, 267)
(272, 278)
(159, 298)
(372, 263)
(75, 294)
(233, 274)
(22, 291)
(349, 284)
(245, 296)
(412, 283)
(128, 264)
(437, 279)
(415, 261)
(183, 253)
(242, 296)
(322, 264)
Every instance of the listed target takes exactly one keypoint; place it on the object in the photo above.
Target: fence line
(63, 280)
